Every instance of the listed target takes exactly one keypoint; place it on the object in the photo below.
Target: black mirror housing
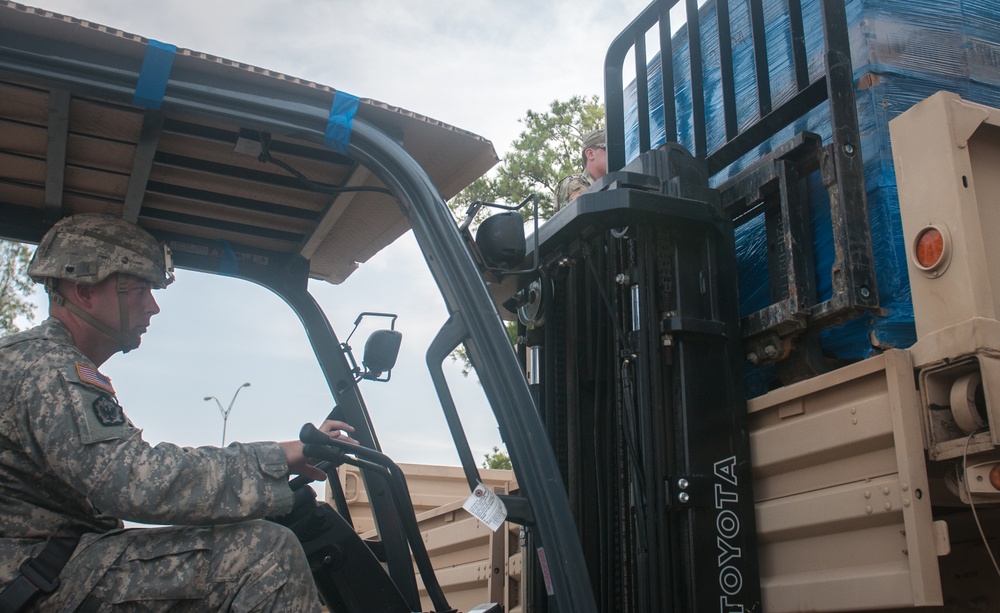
(381, 351)
(501, 240)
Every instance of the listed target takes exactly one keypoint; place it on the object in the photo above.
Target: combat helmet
(89, 247)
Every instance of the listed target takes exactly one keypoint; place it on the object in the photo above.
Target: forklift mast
(631, 330)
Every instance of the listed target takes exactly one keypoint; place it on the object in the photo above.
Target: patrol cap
(594, 138)
(89, 247)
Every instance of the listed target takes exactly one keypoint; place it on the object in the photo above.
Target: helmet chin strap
(121, 336)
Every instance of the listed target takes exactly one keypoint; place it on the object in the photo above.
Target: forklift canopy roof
(74, 137)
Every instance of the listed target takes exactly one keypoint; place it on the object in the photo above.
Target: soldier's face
(597, 161)
(600, 162)
(139, 304)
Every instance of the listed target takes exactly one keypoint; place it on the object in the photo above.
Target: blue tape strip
(338, 128)
(154, 74)
(229, 264)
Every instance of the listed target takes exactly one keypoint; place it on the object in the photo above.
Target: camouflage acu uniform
(72, 464)
(571, 186)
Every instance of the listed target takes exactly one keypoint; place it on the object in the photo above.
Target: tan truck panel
(946, 153)
(473, 565)
(843, 503)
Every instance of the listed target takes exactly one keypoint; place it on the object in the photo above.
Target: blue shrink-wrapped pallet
(902, 51)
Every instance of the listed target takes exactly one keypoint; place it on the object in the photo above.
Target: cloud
(476, 64)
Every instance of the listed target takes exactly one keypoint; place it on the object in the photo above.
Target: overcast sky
(473, 64)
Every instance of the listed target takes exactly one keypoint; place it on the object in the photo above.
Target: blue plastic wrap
(902, 52)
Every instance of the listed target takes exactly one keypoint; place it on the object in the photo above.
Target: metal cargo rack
(768, 185)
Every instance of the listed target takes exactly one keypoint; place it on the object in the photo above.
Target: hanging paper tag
(487, 507)
(544, 563)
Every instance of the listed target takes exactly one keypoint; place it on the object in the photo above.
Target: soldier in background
(73, 466)
(595, 166)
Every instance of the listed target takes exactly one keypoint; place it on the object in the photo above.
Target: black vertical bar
(614, 103)
(848, 201)
(798, 34)
(56, 141)
(697, 79)
(777, 275)
(761, 69)
(667, 75)
(614, 111)
(800, 264)
(653, 582)
(142, 163)
(712, 433)
(641, 90)
(726, 68)
(790, 258)
(451, 334)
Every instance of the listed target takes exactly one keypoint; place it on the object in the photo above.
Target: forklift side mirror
(501, 240)
(381, 351)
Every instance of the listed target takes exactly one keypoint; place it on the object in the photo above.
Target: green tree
(15, 286)
(497, 459)
(547, 149)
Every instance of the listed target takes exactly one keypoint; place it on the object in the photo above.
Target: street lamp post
(225, 412)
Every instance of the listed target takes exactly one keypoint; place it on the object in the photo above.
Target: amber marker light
(930, 250)
(995, 477)
(930, 247)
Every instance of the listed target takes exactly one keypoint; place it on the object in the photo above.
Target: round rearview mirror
(381, 351)
(500, 239)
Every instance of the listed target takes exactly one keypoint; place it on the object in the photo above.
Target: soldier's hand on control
(299, 464)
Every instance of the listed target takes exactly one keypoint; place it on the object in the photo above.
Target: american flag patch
(89, 374)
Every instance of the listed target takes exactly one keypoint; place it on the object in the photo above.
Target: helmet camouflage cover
(89, 247)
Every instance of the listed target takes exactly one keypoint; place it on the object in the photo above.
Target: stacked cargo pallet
(902, 52)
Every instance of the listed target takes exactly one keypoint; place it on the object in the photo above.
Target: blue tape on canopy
(229, 264)
(338, 128)
(154, 74)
